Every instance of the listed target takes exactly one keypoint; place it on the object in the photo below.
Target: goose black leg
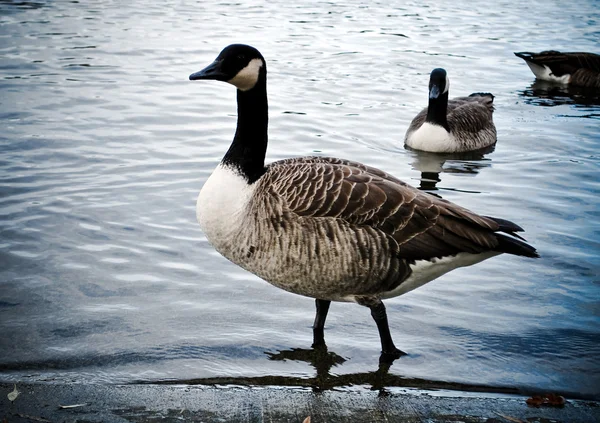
(389, 352)
(319, 324)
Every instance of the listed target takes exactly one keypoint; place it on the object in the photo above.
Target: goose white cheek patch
(248, 76)
(447, 85)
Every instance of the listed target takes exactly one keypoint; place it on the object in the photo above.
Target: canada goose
(327, 228)
(582, 69)
(452, 126)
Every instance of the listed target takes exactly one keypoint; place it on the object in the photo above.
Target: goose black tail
(506, 226)
(513, 244)
(524, 55)
(482, 95)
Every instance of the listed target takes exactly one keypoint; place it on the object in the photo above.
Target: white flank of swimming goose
(581, 69)
(327, 228)
(452, 126)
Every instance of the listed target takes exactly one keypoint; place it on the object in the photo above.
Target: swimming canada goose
(452, 126)
(582, 69)
(327, 228)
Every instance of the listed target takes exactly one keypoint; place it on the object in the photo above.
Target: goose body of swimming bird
(327, 228)
(452, 126)
(580, 69)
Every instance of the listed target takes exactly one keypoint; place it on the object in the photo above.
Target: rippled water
(105, 276)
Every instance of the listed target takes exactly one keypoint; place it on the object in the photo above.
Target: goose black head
(238, 64)
(438, 83)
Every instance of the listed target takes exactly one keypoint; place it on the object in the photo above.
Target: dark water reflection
(106, 277)
(432, 165)
(543, 93)
(325, 379)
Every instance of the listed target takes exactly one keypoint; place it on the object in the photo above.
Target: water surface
(106, 277)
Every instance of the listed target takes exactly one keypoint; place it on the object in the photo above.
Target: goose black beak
(434, 91)
(212, 71)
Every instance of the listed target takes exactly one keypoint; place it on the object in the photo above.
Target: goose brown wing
(470, 114)
(424, 226)
(572, 60)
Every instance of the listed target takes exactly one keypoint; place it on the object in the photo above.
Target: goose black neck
(437, 111)
(249, 147)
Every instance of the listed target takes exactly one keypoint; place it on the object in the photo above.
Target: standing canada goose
(327, 228)
(582, 69)
(452, 126)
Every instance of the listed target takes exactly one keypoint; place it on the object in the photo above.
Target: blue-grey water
(106, 277)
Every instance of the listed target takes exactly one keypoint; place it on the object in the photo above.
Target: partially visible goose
(452, 126)
(327, 228)
(581, 69)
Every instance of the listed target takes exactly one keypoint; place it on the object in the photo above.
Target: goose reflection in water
(548, 94)
(432, 165)
(324, 361)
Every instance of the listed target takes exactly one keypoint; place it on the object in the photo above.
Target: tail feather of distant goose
(575, 68)
(487, 98)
